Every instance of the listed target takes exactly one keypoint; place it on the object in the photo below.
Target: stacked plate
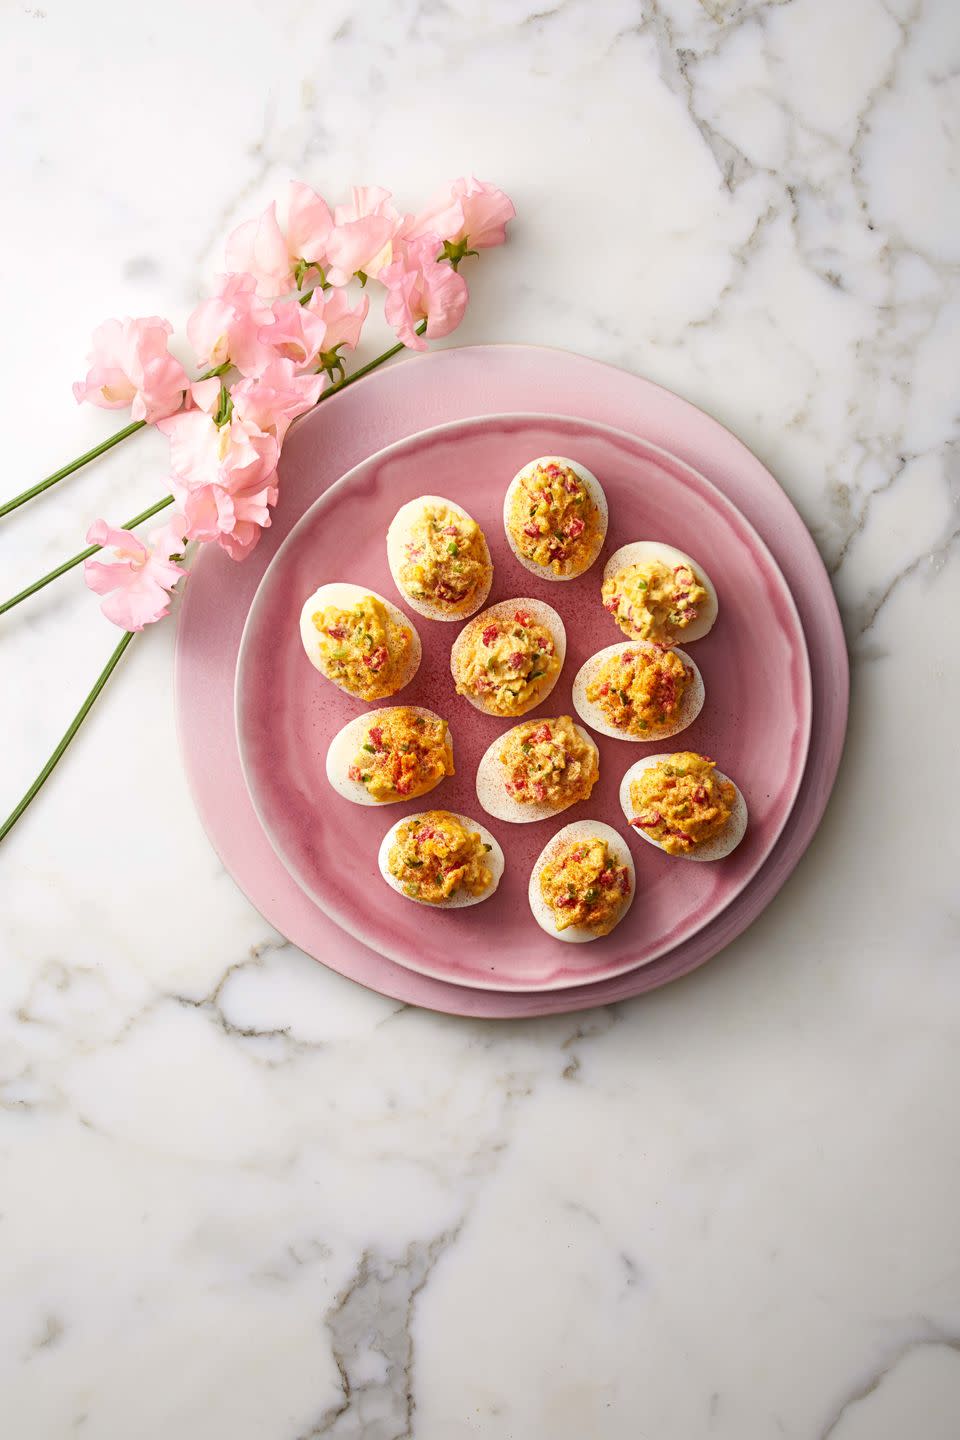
(493, 957)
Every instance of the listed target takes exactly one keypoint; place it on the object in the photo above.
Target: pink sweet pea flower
(234, 521)
(420, 287)
(223, 478)
(227, 326)
(131, 365)
(235, 455)
(360, 241)
(342, 320)
(297, 331)
(466, 213)
(139, 579)
(274, 245)
(225, 475)
(274, 399)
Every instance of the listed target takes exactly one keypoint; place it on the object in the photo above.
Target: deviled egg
(583, 882)
(635, 691)
(439, 559)
(396, 753)
(359, 641)
(656, 592)
(684, 805)
(555, 517)
(537, 769)
(441, 859)
(507, 659)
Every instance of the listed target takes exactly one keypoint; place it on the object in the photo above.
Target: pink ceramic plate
(756, 721)
(412, 395)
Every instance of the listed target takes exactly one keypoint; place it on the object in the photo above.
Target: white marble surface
(243, 1199)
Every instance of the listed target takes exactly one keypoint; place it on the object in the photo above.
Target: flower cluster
(268, 342)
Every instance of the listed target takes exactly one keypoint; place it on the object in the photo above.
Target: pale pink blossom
(204, 395)
(131, 365)
(360, 242)
(275, 398)
(138, 580)
(226, 328)
(342, 320)
(223, 475)
(236, 455)
(233, 520)
(466, 213)
(296, 331)
(419, 287)
(285, 236)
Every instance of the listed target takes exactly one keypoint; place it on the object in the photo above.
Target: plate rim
(328, 498)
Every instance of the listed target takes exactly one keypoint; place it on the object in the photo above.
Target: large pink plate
(756, 721)
(410, 396)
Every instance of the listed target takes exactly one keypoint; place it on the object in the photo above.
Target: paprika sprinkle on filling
(656, 593)
(681, 803)
(403, 754)
(435, 858)
(548, 762)
(362, 649)
(555, 516)
(439, 558)
(359, 641)
(507, 659)
(583, 884)
(639, 689)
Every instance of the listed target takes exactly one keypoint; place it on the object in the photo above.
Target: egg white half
(591, 714)
(642, 552)
(397, 536)
(494, 798)
(715, 849)
(494, 858)
(578, 830)
(540, 611)
(343, 749)
(344, 596)
(594, 490)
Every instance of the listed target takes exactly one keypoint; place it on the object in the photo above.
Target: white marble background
(241, 1199)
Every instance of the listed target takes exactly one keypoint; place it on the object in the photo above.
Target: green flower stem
(365, 369)
(168, 499)
(72, 729)
(93, 454)
(80, 461)
(84, 555)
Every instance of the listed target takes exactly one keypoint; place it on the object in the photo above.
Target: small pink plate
(755, 723)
